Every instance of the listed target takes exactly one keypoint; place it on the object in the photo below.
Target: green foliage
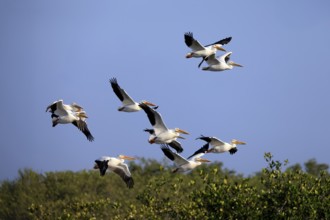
(208, 192)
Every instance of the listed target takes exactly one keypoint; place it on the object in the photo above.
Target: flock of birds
(159, 134)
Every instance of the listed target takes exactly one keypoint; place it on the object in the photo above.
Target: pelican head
(124, 157)
(234, 64)
(202, 160)
(148, 103)
(102, 166)
(237, 142)
(218, 47)
(178, 130)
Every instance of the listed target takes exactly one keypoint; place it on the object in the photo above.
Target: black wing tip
(233, 150)
(113, 80)
(227, 40)
(176, 146)
(129, 182)
(90, 138)
(188, 34)
(167, 151)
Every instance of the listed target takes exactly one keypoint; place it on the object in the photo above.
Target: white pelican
(219, 146)
(220, 63)
(128, 104)
(198, 50)
(117, 165)
(65, 114)
(174, 144)
(161, 133)
(183, 164)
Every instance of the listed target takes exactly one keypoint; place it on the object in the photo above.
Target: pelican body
(65, 114)
(161, 134)
(198, 50)
(116, 165)
(183, 164)
(174, 144)
(220, 63)
(128, 104)
(219, 146)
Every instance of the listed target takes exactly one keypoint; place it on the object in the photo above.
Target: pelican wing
(82, 126)
(191, 42)
(222, 42)
(155, 119)
(57, 108)
(225, 57)
(200, 152)
(121, 93)
(212, 140)
(176, 145)
(176, 158)
(211, 60)
(52, 107)
(124, 173)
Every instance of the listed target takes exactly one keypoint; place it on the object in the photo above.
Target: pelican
(198, 50)
(161, 133)
(174, 144)
(219, 146)
(220, 63)
(117, 165)
(183, 164)
(65, 114)
(128, 104)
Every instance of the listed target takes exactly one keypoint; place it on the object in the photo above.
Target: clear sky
(278, 102)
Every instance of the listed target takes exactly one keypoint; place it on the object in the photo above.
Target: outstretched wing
(191, 42)
(212, 140)
(121, 93)
(124, 173)
(176, 158)
(155, 118)
(82, 126)
(200, 152)
(222, 42)
(176, 145)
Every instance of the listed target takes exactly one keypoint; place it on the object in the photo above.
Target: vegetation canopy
(208, 192)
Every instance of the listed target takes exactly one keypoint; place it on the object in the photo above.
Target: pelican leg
(199, 65)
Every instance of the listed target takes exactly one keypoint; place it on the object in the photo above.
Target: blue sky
(278, 102)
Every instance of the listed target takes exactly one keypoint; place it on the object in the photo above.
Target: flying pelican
(219, 146)
(174, 144)
(65, 114)
(117, 165)
(220, 63)
(161, 133)
(183, 164)
(198, 50)
(128, 104)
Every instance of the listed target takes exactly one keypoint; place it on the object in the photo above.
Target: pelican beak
(181, 131)
(219, 47)
(189, 55)
(149, 103)
(126, 157)
(238, 142)
(203, 160)
(236, 64)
